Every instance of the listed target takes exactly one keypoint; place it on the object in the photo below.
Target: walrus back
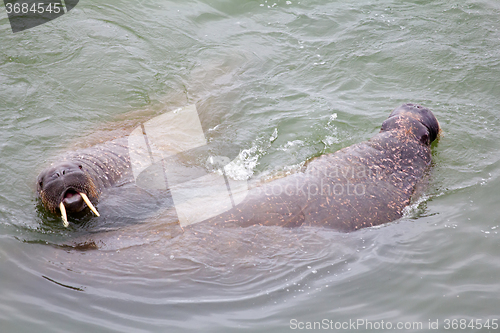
(363, 185)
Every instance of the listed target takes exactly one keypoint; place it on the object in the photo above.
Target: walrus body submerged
(363, 185)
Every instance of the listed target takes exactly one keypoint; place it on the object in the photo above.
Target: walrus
(366, 184)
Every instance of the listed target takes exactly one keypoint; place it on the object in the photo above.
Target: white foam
(412, 210)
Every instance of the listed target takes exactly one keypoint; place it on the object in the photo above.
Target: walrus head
(415, 121)
(67, 188)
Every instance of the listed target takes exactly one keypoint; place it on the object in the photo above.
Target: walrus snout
(57, 171)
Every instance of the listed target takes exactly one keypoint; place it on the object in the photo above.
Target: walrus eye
(40, 183)
(80, 166)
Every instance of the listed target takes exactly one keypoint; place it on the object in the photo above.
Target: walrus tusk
(87, 201)
(63, 214)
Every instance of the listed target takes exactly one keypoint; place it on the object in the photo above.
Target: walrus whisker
(63, 214)
(87, 201)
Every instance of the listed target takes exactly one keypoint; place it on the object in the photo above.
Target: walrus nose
(63, 170)
(60, 173)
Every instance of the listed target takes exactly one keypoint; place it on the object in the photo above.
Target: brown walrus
(363, 185)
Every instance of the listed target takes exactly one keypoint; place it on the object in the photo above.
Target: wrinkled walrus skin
(363, 185)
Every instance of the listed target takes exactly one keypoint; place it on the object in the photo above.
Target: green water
(322, 75)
